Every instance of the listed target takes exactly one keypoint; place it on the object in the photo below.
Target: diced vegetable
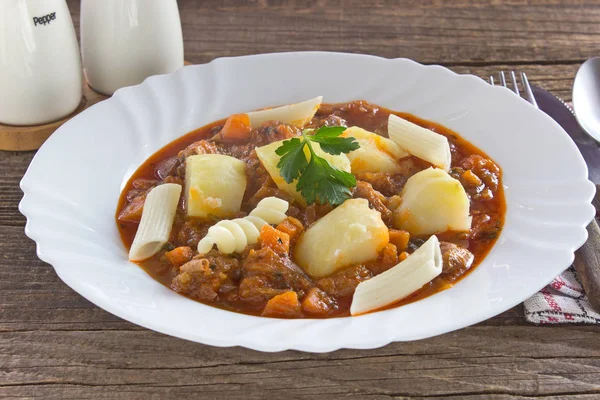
(236, 127)
(317, 303)
(399, 238)
(376, 153)
(292, 227)
(400, 281)
(433, 202)
(214, 184)
(179, 255)
(350, 234)
(389, 255)
(284, 305)
(278, 241)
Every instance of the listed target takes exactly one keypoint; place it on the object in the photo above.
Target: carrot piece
(389, 255)
(403, 256)
(278, 241)
(291, 226)
(399, 239)
(471, 179)
(236, 127)
(284, 305)
(179, 255)
(318, 303)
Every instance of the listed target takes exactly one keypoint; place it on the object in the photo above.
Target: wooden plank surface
(56, 345)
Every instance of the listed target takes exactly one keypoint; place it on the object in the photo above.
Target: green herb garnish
(318, 180)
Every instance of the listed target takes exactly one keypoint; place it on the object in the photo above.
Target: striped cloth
(563, 301)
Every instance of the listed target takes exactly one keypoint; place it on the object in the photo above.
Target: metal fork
(524, 81)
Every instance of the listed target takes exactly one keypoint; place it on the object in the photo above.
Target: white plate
(72, 186)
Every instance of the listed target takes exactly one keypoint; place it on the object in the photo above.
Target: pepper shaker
(40, 65)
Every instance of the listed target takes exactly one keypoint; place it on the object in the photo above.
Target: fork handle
(587, 260)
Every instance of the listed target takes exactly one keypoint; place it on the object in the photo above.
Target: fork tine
(528, 91)
(502, 78)
(514, 82)
(492, 80)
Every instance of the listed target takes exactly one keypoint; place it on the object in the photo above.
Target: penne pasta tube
(156, 223)
(400, 281)
(298, 114)
(420, 142)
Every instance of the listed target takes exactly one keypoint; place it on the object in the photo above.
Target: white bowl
(73, 184)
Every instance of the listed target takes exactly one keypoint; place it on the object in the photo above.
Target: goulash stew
(313, 210)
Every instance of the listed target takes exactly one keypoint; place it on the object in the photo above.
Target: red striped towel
(562, 301)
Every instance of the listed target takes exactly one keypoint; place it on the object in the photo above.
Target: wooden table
(56, 345)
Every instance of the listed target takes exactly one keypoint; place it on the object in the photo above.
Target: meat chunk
(484, 169)
(200, 147)
(136, 197)
(256, 290)
(266, 274)
(273, 131)
(284, 305)
(133, 210)
(317, 303)
(191, 232)
(485, 226)
(343, 283)
(327, 120)
(376, 200)
(202, 278)
(383, 182)
(456, 260)
(314, 212)
(269, 132)
(168, 167)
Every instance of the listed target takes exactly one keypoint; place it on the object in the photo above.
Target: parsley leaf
(328, 138)
(318, 180)
(293, 160)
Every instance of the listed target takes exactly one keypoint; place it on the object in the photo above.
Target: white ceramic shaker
(125, 41)
(40, 66)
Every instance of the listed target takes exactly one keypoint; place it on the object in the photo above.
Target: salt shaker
(125, 41)
(40, 66)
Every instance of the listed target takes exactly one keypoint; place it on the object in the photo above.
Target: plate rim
(258, 344)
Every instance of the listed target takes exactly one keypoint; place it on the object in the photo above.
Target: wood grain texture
(54, 344)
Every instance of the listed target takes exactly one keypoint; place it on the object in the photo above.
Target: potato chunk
(352, 233)
(376, 153)
(269, 159)
(433, 202)
(214, 184)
